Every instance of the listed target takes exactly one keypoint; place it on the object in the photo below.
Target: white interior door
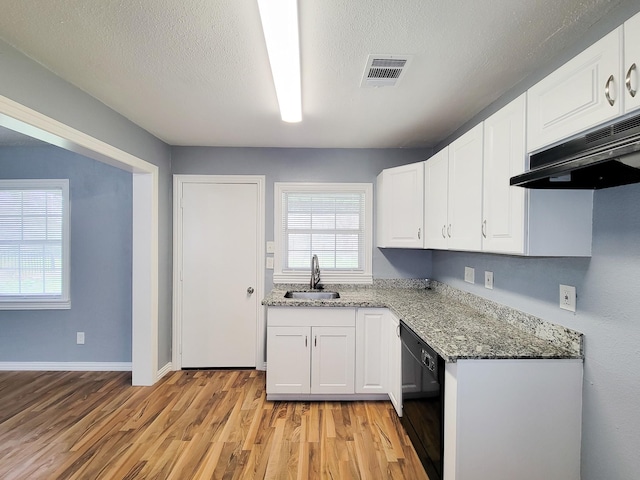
(219, 274)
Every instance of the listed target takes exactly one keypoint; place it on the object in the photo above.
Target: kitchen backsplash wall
(101, 233)
(310, 165)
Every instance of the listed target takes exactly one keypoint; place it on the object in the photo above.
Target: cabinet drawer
(311, 316)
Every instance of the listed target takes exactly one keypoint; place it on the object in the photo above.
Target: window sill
(35, 305)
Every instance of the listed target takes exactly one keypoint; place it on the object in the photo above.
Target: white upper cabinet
(520, 221)
(436, 198)
(453, 195)
(503, 219)
(464, 211)
(400, 193)
(581, 94)
(632, 63)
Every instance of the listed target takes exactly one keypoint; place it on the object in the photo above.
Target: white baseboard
(68, 366)
(164, 370)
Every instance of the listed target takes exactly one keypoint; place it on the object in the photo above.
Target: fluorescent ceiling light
(280, 26)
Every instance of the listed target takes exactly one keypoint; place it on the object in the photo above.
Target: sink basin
(311, 295)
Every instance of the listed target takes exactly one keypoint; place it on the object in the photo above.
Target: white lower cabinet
(372, 349)
(394, 377)
(333, 352)
(332, 360)
(310, 351)
(289, 360)
(507, 419)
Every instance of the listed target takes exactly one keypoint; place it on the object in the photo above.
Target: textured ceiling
(196, 72)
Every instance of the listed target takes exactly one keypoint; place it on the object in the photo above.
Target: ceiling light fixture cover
(280, 26)
(384, 70)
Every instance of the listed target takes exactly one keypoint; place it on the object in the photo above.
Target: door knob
(250, 290)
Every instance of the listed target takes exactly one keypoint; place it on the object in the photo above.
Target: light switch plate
(80, 338)
(271, 247)
(469, 275)
(568, 297)
(270, 263)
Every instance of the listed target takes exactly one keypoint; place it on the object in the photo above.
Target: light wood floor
(191, 425)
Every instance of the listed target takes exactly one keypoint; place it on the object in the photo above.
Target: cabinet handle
(484, 228)
(418, 234)
(315, 341)
(444, 235)
(627, 80)
(305, 340)
(449, 231)
(606, 90)
(398, 331)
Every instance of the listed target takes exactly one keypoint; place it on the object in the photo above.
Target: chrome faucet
(315, 272)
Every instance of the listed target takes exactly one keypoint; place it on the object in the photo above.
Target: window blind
(31, 242)
(328, 224)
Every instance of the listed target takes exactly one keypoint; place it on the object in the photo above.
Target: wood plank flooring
(190, 425)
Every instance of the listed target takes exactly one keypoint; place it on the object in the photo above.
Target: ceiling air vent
(384, 70)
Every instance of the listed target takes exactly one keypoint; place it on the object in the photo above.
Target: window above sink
(331, 220)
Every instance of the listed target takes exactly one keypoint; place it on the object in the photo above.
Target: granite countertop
(456, 324)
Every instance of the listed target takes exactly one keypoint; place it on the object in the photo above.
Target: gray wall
(101, 222)
(310, 165)
(607, 306)
(28, 83)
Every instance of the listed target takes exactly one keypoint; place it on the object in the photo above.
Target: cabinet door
(465, 191)
(288, 367)
(574, 97)
(632, 63)
(504, 156)
(333, 360)
(403, 203)
(395, 363)
(372, 345)
(436, 192)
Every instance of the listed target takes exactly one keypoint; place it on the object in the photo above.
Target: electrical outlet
(568, 297)
(80, 338)
(488, 280)
(270, 263)
(469, 275)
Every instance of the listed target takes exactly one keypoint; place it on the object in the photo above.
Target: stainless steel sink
(311, 295)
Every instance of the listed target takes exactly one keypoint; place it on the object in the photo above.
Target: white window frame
(327, 277)
(44, 302)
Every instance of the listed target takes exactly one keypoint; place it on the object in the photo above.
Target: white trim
(164, 370)
(364, 277)
(144, 285)
(67, 366)
(145, 221)
(178, 182)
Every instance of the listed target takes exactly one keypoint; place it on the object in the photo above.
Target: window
(330, 220)
(34, 244)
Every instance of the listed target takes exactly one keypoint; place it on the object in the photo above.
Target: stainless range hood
(607, 157)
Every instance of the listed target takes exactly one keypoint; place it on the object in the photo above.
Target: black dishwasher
(423, 400)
